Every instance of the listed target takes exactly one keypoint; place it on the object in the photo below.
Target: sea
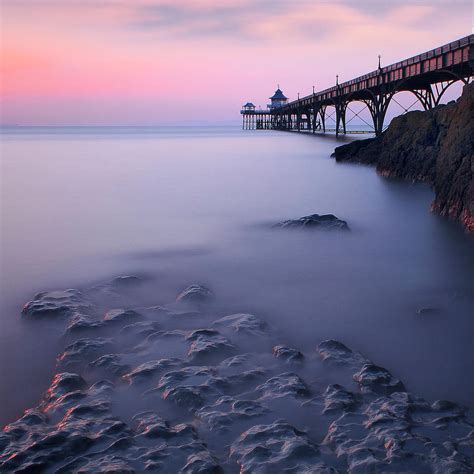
(196, 205)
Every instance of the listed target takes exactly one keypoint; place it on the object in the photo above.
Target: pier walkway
(427, 76)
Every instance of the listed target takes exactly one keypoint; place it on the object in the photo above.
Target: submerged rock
(107, 464)
(148, 370)
(140, 330)
(398, 433)
(63, 383)
(336, 353)
(117, 287)
(241, 322)
(337, 398)
(208, 342)
(110, 363)
(227, 411)
(325, 221)
(84, 350)
(283, 385)
(53, 304)
(233, 398)
(288, 354)
(377, 379)
(195, 294)
(122, 316)
(278, 447)
(81, 323)
(125, 281)
(190, 387)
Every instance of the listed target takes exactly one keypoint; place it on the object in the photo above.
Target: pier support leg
(322, 114)
(378, 107)
(341, 118)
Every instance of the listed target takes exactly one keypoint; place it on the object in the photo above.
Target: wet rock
(84, 350)
(287, 354)
(121, 316)
(196, 374)
(125, 281)
(116, 287)
(202, 463)
(109, 463)
(141, 329)
(53, 304)
(245, 323)
(227, 410)
(110, 363)
(195, 294)
(77, 428)
(76, 401)
(64, 383)
(190, 387)
(377, 379)
(82, 323)
(337, 398)
(397, 433)
(336, 353)
(286, 384)
(189, 397)
(179, 447)
(151, 425)
(208, 342)
(235, 361)
(279, 447)
(325, 221)
(149, 369)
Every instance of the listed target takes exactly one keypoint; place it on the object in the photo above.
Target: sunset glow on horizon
(122, 62)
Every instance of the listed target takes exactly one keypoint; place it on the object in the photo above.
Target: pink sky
(92, 62)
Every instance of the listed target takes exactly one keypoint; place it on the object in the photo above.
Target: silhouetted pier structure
(427, 76)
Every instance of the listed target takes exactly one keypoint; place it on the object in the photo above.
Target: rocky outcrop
(325, 221)
(435, 147)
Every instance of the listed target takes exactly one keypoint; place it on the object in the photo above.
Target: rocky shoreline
(435, 147)
(181, 387)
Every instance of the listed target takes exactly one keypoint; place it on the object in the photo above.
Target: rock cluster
(147, 390)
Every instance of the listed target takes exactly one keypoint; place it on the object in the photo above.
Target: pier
(427, 76)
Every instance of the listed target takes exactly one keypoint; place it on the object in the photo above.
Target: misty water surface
(196, 205)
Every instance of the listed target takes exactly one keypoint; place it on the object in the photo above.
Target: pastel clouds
(160, 60)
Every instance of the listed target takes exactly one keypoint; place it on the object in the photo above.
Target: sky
(152, 62)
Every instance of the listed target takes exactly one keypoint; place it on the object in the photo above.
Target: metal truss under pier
(427, 76)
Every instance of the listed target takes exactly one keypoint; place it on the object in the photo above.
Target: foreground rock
(278, 447)
(325, 221)
(144, 394)
(195, 294)
(435, 147)
(54, 304)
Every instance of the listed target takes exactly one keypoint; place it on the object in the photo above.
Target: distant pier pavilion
(427, 76)
(253, 118)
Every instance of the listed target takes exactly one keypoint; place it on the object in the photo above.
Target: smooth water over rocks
(178, 329)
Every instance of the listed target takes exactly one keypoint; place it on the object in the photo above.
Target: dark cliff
(435, 147)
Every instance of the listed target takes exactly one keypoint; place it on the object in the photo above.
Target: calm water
(191, 205)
